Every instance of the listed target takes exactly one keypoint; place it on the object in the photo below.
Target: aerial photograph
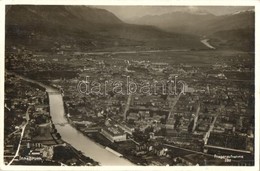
(94, 85)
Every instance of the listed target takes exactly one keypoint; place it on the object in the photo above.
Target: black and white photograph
(129, 85)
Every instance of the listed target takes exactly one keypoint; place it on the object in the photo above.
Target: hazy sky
(129, 12)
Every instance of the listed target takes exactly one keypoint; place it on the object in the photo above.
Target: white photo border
(254, 3)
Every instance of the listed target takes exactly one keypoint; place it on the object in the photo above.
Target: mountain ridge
(204, 25)
(82, 24)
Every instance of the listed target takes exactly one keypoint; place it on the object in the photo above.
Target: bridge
(61, 124)
(53, 92)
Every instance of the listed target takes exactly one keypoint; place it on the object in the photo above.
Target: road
(127, 105)
(22, 133)
(172, 105)
(185, 149)
(206, 137)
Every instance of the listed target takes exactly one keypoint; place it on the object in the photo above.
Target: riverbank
(78, 139)
(125, 152)
(103, 142)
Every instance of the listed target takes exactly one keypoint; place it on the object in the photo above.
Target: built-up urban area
(121, 101)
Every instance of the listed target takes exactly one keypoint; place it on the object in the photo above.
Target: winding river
(73, 136)
(206, 43)
(76, 138)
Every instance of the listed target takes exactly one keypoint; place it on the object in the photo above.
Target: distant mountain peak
(196, 11)
(187, 11)
(244, 11)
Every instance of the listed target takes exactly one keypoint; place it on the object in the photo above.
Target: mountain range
(89, 28)
(233, 30)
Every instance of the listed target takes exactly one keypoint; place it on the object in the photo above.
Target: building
(114, 133)
(48, 152)
(127, 128)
